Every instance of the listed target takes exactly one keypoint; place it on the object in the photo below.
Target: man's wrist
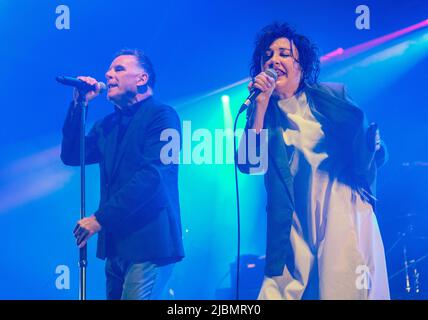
(95, 217)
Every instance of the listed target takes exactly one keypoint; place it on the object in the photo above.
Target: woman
(322, 161)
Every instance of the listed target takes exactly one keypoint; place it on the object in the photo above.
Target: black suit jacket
(346, 127)
(139, 205)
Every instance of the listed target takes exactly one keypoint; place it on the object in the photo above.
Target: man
(322, 161)
(138, 220)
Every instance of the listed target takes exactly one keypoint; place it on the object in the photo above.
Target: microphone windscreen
(272, 73)
(102, 86)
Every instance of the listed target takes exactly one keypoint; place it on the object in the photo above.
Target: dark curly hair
(144, 62)
(308, 52)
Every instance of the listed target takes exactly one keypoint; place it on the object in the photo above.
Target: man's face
(123, 78)
(280, 57)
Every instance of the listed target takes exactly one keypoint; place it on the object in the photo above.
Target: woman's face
(282, 56)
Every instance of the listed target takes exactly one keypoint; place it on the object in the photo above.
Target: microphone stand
(82, 251)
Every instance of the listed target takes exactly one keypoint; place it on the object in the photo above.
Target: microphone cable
(238, 210)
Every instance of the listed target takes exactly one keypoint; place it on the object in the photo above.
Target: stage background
(197, 47)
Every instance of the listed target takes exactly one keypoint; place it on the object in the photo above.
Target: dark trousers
(136, 281)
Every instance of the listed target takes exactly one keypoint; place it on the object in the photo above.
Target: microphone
(254, 92)
(80, 85)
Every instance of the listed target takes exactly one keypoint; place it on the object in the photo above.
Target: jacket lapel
(278, 153)
(110, 145)
(133, 126)
(338, 115)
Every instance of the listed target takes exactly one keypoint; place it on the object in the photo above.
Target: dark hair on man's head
(144, 62)
(308, 51)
